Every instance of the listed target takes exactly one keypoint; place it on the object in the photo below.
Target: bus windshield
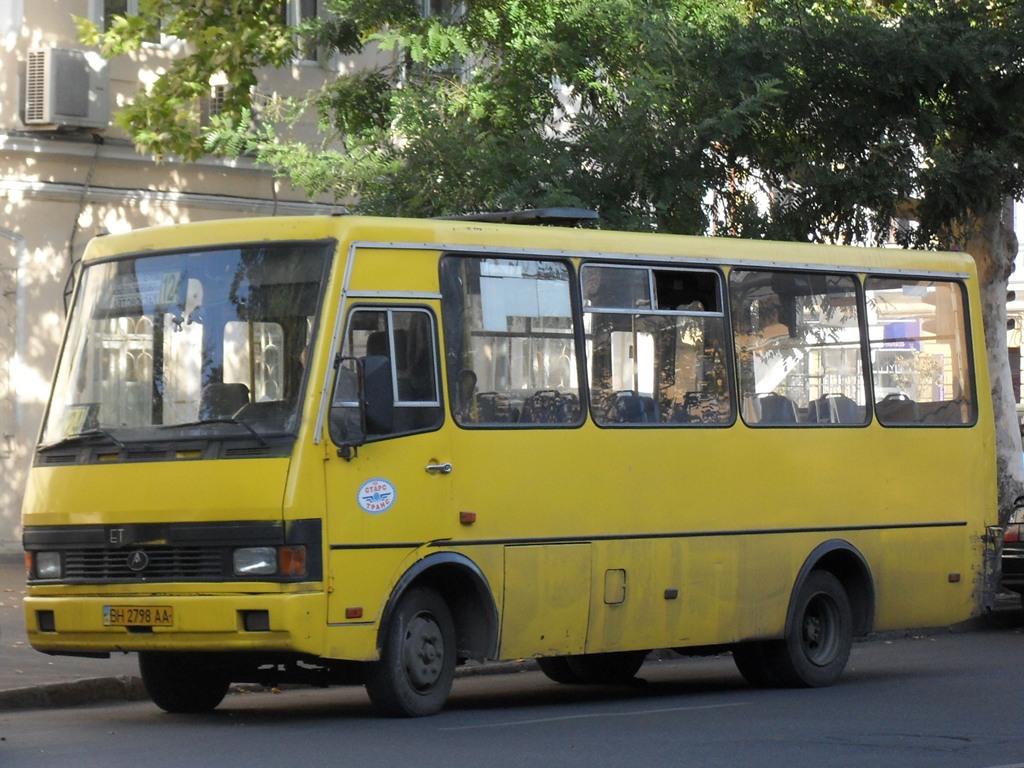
(212, 339)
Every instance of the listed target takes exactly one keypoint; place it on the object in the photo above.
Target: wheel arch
(844, 561)
(463, 586)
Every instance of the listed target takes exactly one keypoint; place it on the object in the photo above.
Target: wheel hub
(423, 652)
(812, 631)
(820, 634)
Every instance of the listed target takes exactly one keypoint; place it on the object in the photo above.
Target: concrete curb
(76, 693)
(125, 688)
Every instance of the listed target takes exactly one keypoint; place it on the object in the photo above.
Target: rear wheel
(558, 670)
(184, 682)
(417, 659)
(819, 634)
(755, 662)
(606, 668)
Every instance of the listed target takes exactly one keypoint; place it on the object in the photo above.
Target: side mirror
(363, 401)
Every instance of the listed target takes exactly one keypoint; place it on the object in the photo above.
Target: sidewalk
(30, 679)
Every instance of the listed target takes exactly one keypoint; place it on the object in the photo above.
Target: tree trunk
(993, 245)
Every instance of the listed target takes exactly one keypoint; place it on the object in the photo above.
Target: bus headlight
(270, 561)
(255, 561)
(48, 565)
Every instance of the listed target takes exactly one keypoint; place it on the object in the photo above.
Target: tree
(826, 121)
(166, 118)
(462, 112)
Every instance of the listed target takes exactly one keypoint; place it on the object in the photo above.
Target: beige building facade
(67, 174)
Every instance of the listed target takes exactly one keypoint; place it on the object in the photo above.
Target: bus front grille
(145, 564)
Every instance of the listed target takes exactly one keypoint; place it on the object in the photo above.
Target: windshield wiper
(237, 422)
(78, 437)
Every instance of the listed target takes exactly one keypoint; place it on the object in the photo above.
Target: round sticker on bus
(376, 496)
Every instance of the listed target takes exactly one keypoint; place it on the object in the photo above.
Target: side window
(798, 348)
(656, 346)
(404, 340)
(510, 342)
(920, 359)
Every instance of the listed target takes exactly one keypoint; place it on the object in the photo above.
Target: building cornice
(78, 144)
(83, 147)
(60, 192)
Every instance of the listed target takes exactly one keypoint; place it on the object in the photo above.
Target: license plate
(138, 616)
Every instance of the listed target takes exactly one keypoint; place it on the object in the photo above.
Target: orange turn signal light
(291, 561)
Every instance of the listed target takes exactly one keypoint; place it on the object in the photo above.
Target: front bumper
(272, 623)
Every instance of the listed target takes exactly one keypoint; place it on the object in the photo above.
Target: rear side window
(919, 362)
(799, 348)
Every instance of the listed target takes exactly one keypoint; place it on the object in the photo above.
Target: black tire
(755, 661)
(184, 683)
(606, 668)
(557, 669)
(417, 657)
(819, 634)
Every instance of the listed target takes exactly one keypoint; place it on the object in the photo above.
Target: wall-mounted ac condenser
(66, 89)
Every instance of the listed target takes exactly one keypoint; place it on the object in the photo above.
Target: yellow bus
(363, 450)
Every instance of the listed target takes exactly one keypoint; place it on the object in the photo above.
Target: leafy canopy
(766, 118)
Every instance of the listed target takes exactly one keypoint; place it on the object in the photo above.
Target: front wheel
(184, 682)
(819, 634)
(417, 657)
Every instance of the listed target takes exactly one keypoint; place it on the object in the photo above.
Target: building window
(105, 12)
(450, 9)
(297, 12)
(112, 8)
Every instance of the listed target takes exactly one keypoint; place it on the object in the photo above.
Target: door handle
(439, 469)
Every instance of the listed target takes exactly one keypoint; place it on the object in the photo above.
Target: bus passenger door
(390, 494)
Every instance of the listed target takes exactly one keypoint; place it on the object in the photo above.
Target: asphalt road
(929, 700)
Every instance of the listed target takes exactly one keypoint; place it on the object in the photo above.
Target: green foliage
(765, 118)
(918, 101)
(227, 38)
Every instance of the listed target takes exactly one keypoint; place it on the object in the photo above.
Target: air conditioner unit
(66, 89)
